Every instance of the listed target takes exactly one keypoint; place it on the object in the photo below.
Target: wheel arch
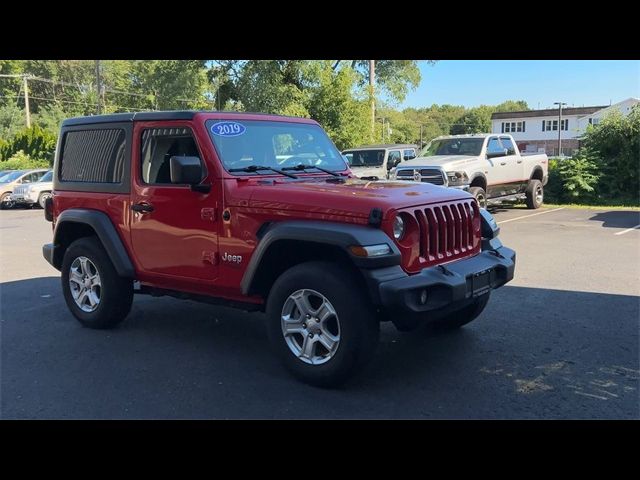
(77, 223)
(537, 174)
(285, 244)
(478, 180)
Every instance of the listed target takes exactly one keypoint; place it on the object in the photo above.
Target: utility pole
(560, 104)
(372, 98)
(420, 136)
(99, 87)
(25, 87)
(27, 112)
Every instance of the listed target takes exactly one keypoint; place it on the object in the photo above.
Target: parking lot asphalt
(559, 341)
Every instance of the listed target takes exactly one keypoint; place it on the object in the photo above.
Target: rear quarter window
(93, 156)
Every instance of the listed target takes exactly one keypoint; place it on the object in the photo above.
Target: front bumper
(446, 285)
(19, 198)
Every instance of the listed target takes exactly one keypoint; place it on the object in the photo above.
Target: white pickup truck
(488, 166)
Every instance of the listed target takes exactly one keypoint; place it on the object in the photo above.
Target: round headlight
(398, 228)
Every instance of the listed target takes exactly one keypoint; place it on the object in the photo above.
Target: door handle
(519, 161)
(503, 163)
(142, 207)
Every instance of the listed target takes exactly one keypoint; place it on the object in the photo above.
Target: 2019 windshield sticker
(228, 129)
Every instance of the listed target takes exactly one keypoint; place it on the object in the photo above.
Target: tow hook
(444, 270)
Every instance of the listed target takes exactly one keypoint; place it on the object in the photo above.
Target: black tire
(463, 316)
(480, 195)
(42, 198)
(535, 194)
(5, 203)
(116, 293)
(359, 325)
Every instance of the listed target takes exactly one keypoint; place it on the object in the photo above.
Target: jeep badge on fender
(326, 255)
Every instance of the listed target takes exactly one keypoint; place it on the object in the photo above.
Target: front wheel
(321, 324)
(6, 202)
(480, 195)
(42, 199)
(534, 194)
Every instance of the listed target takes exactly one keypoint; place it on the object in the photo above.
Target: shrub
(615, 142)
(22, 161)
(35, 142)
(573, 179)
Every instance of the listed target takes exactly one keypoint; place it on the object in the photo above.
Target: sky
(538, 82)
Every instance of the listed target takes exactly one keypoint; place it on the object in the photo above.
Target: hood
(439, 160)
(354, 197)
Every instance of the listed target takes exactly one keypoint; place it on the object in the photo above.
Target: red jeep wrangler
(261, 212)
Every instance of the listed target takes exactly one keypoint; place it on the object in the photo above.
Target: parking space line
(627, 230)
(532, 215)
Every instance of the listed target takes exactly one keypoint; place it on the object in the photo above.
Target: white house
(537, 130)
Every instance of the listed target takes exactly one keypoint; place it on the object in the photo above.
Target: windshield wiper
(256, 168)
(302, 167)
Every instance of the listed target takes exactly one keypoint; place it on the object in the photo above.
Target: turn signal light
(370, 250)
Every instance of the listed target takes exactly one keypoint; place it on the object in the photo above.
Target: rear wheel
(461, 317)
(94, 292)
(480, 195)
(321, 324)
(535, 194)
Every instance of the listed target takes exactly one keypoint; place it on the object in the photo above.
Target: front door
(173, 229)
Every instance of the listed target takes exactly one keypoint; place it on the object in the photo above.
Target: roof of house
(549, 112)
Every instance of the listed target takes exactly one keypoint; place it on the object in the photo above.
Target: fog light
(423, 297)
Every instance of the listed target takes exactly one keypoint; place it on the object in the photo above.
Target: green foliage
(478, 119)
(573, 179)
(35, 142)
(22, 161)
(616, 143)
(331, 103)
(11, 120)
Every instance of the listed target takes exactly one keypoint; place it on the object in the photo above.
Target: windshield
(47, 177)
(365, 158)
(241, 144)
(453, 146)
(10, 177)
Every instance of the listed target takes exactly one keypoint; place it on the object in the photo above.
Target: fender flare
(324, 233)
(106, 232)
(478, 175)
(535, 169)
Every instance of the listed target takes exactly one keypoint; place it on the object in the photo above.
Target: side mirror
(410, 157)
(498, 153)
(393, 164)
(187, 170)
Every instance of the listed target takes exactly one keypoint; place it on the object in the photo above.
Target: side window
(410, 153)
(93, 156)
(508, 144)
(394, 156)
(494, 146)
(158, 146)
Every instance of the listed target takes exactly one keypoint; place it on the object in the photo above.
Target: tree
(615, 141)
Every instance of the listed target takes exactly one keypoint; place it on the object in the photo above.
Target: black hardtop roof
(147, 116)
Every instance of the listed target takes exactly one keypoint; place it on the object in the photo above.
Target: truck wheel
(462, 317)
(535, 194)
(321, 325)
(96, 295)
(5, 202)
(43, 198)
(480, 195)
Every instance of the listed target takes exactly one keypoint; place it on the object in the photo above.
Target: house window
(549, 125)
(510, 127)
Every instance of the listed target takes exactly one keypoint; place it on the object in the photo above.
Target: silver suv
(36, 193)
(10, 180)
